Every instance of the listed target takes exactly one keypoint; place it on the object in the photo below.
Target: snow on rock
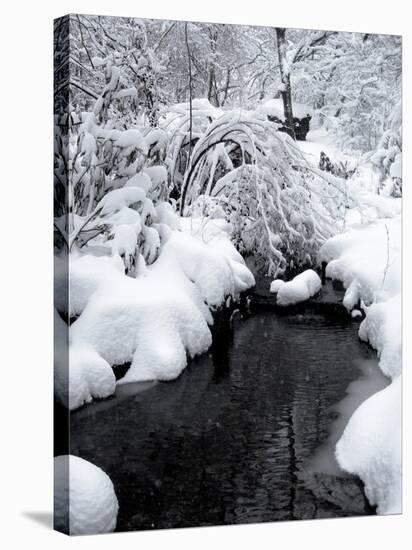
(275, 285)
(155, 321)
(141, 180)
(302, 287)
(371, 448)
(396, 167)
(274, 107)
(85, 502)
(157, 175)
(165, 214)
(367, 259)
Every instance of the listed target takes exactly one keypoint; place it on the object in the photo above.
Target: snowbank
(367, 259)
(302, 287)
(371, 448)
(154, 321)
(88, 504)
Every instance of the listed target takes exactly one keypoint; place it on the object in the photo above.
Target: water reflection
(230, 440)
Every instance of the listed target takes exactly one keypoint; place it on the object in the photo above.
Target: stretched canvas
(227, 234)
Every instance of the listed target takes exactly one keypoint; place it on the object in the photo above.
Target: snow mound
(85, 502)
(371, 448)
(301, 288)
(367, 259)
(154, 321)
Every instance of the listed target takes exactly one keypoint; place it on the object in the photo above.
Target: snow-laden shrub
(186, 126)
(117, 184)
(281, 208)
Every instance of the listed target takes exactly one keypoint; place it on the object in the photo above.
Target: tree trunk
(286, 91)
(211, 78)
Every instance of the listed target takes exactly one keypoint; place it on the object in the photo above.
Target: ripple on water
(232, 439)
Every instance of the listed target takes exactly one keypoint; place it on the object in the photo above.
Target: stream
(246, 434)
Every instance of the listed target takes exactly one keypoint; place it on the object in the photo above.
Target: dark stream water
(232, 440)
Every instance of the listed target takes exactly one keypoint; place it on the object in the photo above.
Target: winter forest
(227, 238)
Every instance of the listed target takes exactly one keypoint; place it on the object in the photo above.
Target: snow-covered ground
(367, 259)
(122, 319)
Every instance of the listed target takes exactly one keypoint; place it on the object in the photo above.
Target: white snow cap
(85, 502)
(301, 288)
(275, 285)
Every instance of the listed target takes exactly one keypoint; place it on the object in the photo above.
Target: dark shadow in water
(228, 441)
(45, 519)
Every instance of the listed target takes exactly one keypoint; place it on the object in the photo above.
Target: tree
(285, 87)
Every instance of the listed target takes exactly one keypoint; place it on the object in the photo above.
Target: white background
(26, 271)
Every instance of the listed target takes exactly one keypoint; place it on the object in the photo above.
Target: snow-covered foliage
(280, 207)
(300, 288)
(85, 502)
(388, 154)
(368, 262)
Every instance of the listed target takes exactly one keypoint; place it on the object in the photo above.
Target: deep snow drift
(123, 319)
(367, 259)
(84, 498)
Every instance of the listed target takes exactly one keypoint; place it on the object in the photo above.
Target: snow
(274, 107)
(371, 448)
(114, 200)
(90, 376)
(396, 167)
(85, 502)
(157, 175)
(167, 216)
(131, 138)
(367, 259)
(275, 285)
(302, 287)
(123, 319)
(87, 272)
